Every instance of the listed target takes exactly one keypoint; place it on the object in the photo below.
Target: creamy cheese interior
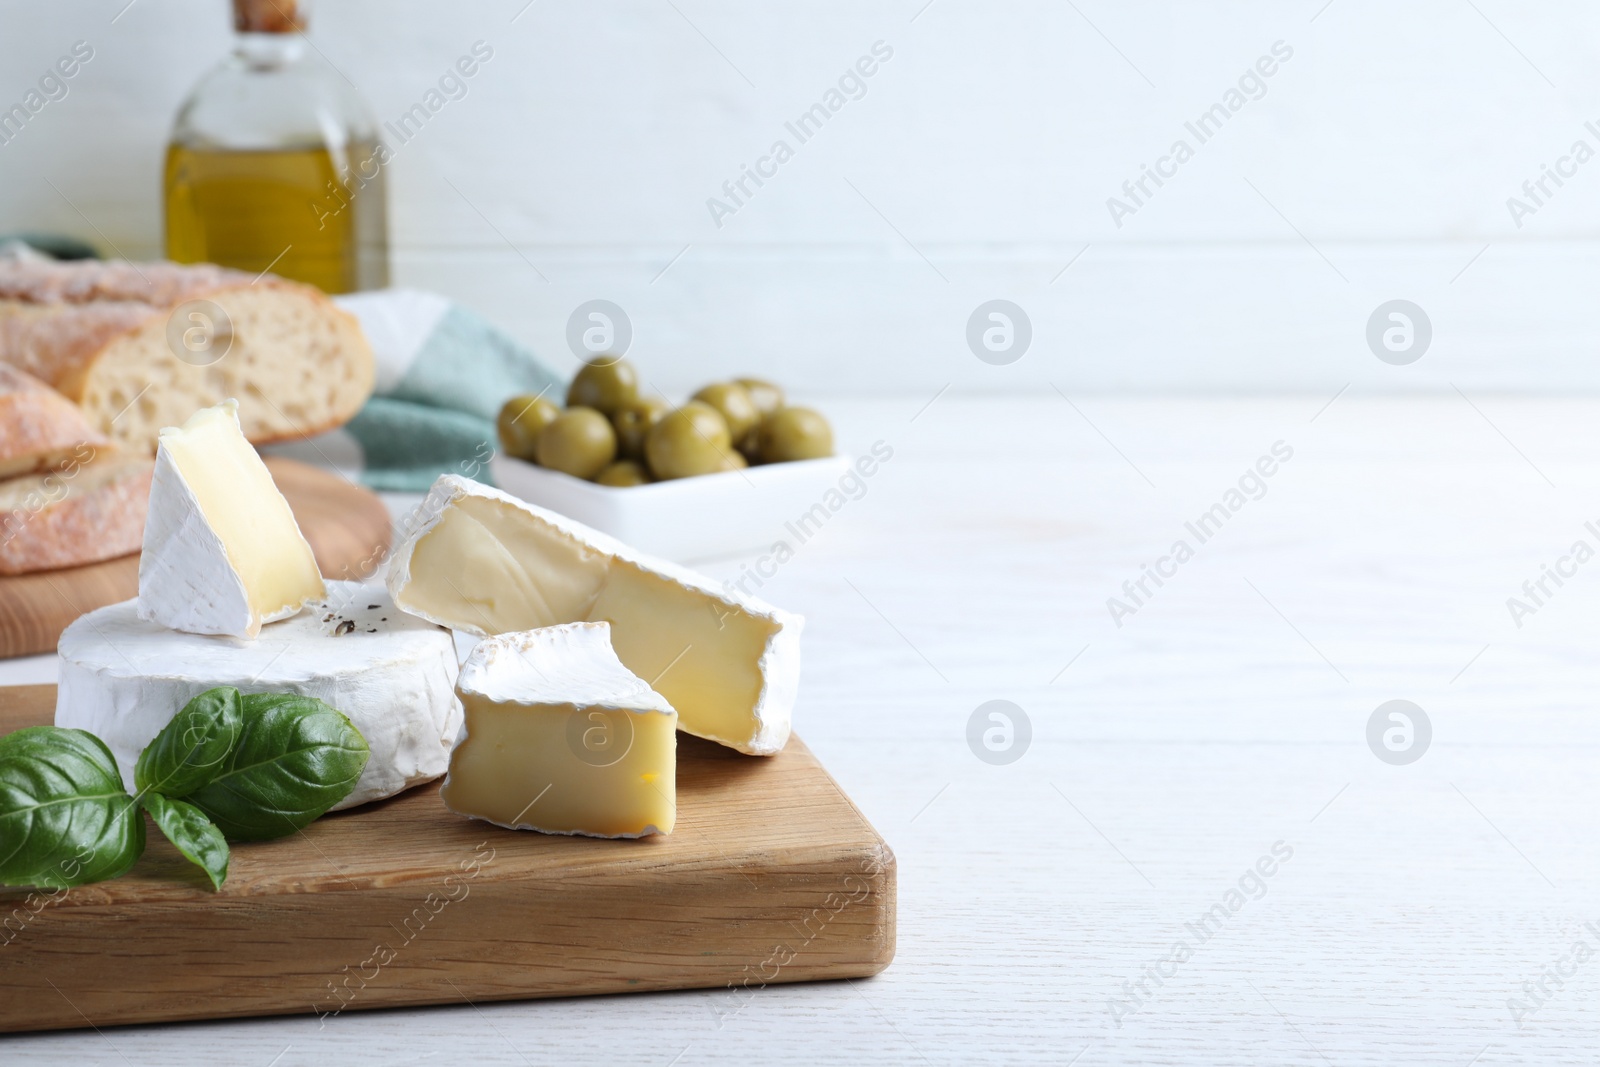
(492, 568)
(565, 769)
(243, 507)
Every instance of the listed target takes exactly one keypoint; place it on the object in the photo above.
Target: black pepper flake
(372, 607)
(372, 631)
(348, 626)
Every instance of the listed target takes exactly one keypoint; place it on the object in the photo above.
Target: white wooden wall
(977, 165)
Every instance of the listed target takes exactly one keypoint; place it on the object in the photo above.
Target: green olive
(750, 447)
(633, 421)
(580, 442)
(734, 403)
(794, 433)
(692, 440)
(768, 397)
(520, 421)
(604, 384)
(623, 473)
(732, 461)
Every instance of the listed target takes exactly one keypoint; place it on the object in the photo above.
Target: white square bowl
(685, 519)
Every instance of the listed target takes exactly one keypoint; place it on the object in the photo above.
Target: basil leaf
(296, 757)
(194, 835)
(193, 747)
(65, 819)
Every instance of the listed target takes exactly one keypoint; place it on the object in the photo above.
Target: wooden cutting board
(772, 875)
(348, 527)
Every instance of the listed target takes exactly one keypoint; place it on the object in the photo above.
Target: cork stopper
(269, 16)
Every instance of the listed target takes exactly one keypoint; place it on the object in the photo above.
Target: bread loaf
(39, 428)
(142, 346)
(90, 509)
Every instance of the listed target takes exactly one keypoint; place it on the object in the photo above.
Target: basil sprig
(65, 819)
(295, 758)
(194, 835)
(187, 753)
(229, 766)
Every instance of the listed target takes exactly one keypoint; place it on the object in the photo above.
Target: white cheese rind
(123, 679)
(185, 580)
(779, 660)
(569, 664)
(215, 509)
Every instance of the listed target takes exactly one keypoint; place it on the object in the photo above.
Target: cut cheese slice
(562, 738)
(475, 559)
(222, 551)
(393, 675)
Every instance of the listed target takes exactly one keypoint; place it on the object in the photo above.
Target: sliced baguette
(39, 428)
(90, 509)
(109, 336)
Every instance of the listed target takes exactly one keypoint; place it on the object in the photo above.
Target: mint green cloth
(439, 417)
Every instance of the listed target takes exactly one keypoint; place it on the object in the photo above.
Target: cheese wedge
(562, 738)
(222, 551)
(393, 675)
(473, 558)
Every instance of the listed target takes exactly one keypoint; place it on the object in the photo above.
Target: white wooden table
(1226, 717)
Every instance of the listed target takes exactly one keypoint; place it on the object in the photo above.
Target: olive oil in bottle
(274, 164)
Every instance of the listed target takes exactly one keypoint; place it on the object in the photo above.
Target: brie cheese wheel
(472, 558)
(562, 738)
(393, 675)
(222, 551)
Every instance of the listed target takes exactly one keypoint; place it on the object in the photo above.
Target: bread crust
(158, 285)
(84, 513)
(38, 426)
(66, 323)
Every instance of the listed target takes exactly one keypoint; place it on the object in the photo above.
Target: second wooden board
(348, 528)
(772, 875)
